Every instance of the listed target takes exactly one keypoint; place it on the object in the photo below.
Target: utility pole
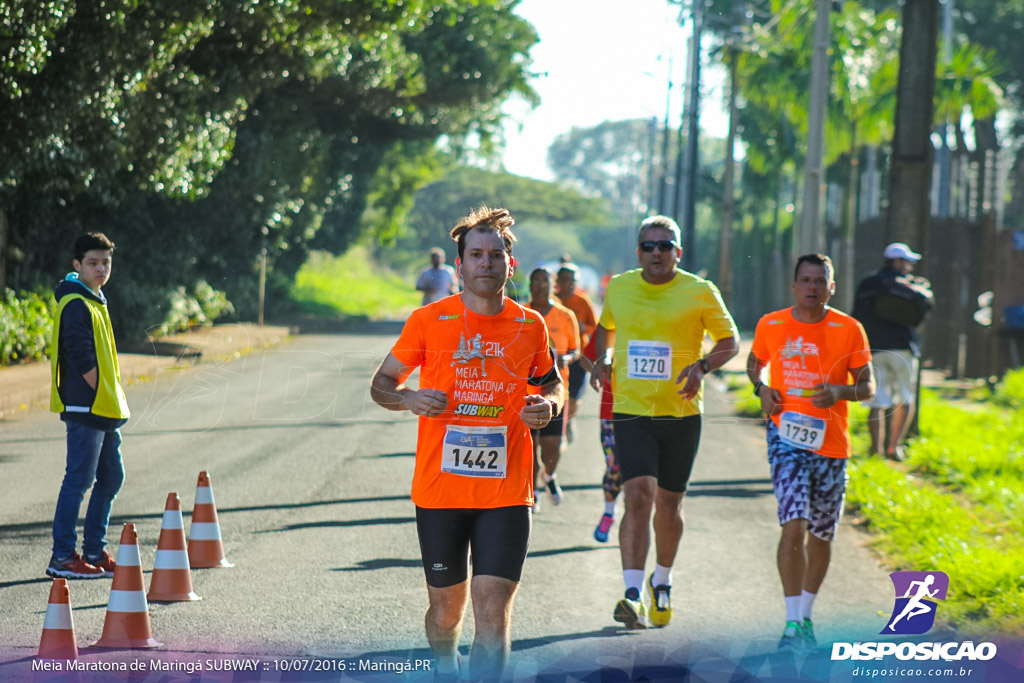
(811, 236)
(263, 276)
(666, 135)
(3, 251)
(692, 169)
(724, 279)
(942, 154)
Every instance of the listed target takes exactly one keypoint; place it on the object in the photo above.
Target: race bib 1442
(475, 451)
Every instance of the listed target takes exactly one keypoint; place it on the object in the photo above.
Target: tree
(205, 131)
(550, 219)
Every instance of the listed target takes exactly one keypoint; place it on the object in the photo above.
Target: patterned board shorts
(807, 485)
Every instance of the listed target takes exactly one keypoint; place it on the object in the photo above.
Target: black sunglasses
(662, 246)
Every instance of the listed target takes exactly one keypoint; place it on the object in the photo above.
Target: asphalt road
(311, 481)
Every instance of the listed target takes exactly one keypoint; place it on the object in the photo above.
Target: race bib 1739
(802, 431)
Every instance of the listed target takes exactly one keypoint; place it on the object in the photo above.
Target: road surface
(311, 481)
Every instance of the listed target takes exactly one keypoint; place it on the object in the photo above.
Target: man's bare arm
(388, 390)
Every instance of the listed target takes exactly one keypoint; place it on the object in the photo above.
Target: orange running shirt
(801, 355)
(478, 453)
(583, 308)
(563, 333)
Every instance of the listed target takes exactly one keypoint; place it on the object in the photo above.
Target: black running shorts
(498, 539)
(577, 380)
(661, 447)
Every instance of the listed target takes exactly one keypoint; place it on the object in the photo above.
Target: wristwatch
(705, 366)
(757, 388)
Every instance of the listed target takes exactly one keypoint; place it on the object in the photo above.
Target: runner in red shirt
(487, 377)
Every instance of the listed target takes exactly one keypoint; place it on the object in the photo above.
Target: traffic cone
(127, 623)
(205, 549)
(58, 641)
(172, 577)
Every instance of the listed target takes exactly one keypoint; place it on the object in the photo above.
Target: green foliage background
(26, 321)
(197, 133)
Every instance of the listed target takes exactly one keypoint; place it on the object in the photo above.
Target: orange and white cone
(205, 548)
(172, 576)
(58, 641)
(127, 623)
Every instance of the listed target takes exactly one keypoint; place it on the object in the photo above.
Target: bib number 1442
(475, 451)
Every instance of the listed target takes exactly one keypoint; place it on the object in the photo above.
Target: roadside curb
(27, 387)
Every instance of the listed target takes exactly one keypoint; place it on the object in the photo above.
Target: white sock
(634, 578)
(449, 665)
(807, 604)
(662, 576)
(793, 608)
(548, 477)
(609, 508)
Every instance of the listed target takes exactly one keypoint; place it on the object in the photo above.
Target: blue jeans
(94, 460)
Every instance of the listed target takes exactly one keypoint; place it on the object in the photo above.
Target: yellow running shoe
(630, 611)
(661, 603)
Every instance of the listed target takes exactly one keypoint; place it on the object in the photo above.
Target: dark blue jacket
(882, 334)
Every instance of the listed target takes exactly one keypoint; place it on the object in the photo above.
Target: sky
(602, 60)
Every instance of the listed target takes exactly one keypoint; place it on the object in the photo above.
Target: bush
(196, 309)
(1010, 390)
(26, 323)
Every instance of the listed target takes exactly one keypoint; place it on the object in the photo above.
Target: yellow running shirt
(658, 332)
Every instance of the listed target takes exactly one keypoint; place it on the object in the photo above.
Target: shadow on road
(31, 529)
(341, 524)
(731, 488)
(574, 549)
(381, 563)
(529, 643)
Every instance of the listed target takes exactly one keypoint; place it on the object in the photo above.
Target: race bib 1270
(475, 451)
(802, 431)
(649, 360)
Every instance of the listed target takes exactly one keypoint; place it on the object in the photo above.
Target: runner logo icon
(913, 613)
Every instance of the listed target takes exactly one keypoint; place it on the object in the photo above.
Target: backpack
(905, 301)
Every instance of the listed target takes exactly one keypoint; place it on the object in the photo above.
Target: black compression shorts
(577, 380)
(497, 537)
(661, 447)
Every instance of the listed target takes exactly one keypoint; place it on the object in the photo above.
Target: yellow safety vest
(110, 400)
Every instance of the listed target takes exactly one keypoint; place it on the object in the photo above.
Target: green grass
(955, 505)
(352, 285)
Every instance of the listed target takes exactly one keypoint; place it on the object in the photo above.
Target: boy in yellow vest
(85, 389)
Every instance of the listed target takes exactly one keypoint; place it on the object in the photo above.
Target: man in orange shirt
(487, 377)
(577, 301)
(812, 352)
(564, 334)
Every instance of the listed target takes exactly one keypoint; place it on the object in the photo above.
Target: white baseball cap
(900, 250)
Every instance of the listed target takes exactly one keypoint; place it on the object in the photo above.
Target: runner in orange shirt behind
(487, 377)
(564, 334)
(577, 301)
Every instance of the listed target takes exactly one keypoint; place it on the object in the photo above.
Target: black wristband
(757, 388)
(705, 366)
